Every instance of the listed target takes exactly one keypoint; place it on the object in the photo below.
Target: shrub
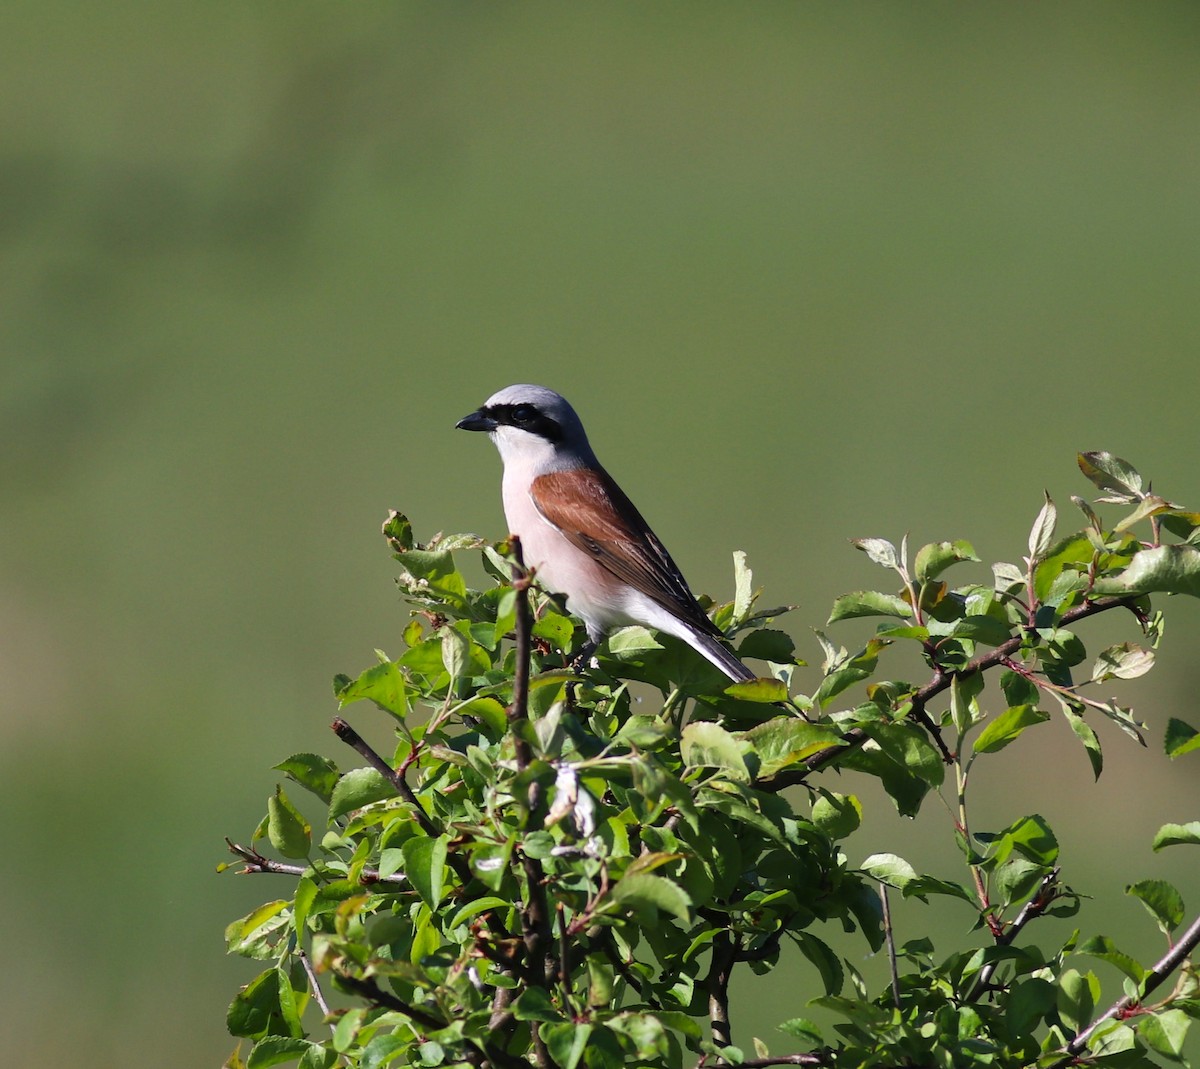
(551, 871)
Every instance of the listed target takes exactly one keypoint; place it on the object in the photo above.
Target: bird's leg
(581, 660)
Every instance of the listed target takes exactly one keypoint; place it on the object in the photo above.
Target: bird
(580, 532)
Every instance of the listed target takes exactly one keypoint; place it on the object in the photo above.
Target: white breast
(593, 593)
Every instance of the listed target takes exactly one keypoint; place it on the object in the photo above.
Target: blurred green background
(808, 272)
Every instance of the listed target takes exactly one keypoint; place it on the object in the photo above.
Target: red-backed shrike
(579, 530)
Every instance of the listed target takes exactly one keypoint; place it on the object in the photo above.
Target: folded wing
(594, 514)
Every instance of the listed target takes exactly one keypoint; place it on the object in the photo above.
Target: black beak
(476, 421)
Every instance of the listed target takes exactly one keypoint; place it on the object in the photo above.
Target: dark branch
(518, 712)
(537, 930)
(1163, 968)
(782, 1059)
(354, 740)
(724, 953)
(476, 1053)
(1046, 895)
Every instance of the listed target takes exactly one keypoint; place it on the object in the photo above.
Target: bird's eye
(524, 414)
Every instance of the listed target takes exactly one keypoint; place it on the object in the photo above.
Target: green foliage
(568, 874)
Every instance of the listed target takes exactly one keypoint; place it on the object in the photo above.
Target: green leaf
(804, 1029)
(1165, 1032)
(479, 905)
(302, 902)
(257, 935)
(763, 691)
(1127, 660)
(1100, 946)
(980, 628)
(784, 741)
(1114, 476)
(869, 603)
(554, 628)
(1028, 1004)
(255, 1010)
(768, 644)
(1017, 878)
(1041, 537)
(287, 830)
(889, 869)
(904, 789)
(566, 1042)
(826, 961)
(489, 862)
(398, 532)
(1030, 836)
(837, 815)
(704, 744)
(382, 684)
(642, 891)
(383, 1048)
(644, 1030)
(1077, 995)
(743, 596)
(1162, 901)
(961, 713)
(1163, 569)
(487, 709)
(456, 651)
(909, 748)
(1007, 726)
(317, 1057)
(1177, 834)
(533, 1004)
(935, 558)
(931, 885)
(880, 550)
(425, 866)
(313, 772)
(1087, 735)
(1181, 738)
(1150, 505)
(276, 1050)
(357, 788)
(632, 642)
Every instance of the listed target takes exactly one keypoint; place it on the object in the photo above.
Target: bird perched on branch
(579, 530)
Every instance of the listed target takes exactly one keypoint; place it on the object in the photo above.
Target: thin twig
(890, 939)
(355, 741)
(258, 863)
(921, 698)
(315, 987)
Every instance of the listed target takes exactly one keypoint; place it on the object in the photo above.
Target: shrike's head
(532, 425)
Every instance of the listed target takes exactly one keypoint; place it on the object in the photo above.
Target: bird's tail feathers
(712, 649)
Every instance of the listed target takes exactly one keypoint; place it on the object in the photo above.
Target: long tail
(709, 647)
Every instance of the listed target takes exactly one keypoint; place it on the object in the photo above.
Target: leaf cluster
(552, 867)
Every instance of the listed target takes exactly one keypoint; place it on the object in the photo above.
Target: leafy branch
(553, 871)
